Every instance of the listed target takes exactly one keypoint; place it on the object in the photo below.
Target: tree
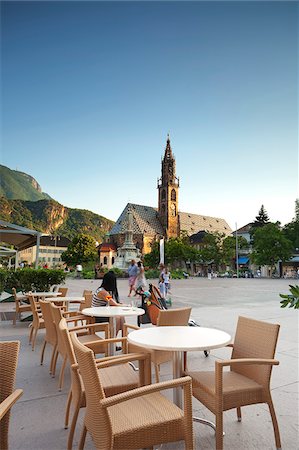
(270, 245)
(228, 250)
(291, 230)
(152, 259)
(211, 249)
(260, 220)
(82, 249)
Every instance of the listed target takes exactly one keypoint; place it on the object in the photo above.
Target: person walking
(79, 270)
(166, 277)
(140, 282)
(132, 272)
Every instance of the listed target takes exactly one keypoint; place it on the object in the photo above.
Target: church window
(163, 209)
(105, 259)
(112, 260)
(173, 195)
(163, 194)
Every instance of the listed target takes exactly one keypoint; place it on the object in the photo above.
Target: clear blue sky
(91, 89)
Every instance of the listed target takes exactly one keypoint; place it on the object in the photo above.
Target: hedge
(30, 279)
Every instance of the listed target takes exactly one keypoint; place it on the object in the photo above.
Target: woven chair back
(88, 299)
(95, 414)
(51, 334)
(9, 352)
(63, 291)
(17, 301)
(173, 317)
(33, 305)
(255, 339)
(57, 316)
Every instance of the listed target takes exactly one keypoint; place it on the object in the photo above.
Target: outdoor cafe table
(179, 340)
(112, 312)
(43, 294)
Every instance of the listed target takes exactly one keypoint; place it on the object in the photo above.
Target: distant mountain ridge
(16, 185)
(45, 214)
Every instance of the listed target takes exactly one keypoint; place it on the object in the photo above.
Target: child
(166, 278)
(162, 286)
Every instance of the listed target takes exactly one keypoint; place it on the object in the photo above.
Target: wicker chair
(115, 379)
(247, 382)
(37, 320)
(20, 307)
(135, 419)
(169, 317)
(87, 337)
(51, 334)
(63, 291)
(9, 352)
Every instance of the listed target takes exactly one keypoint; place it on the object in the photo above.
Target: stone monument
(128, 250)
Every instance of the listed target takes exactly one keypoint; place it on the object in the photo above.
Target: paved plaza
(37, 419)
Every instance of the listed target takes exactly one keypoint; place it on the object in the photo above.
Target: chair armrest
(9, 402)
(144, 390)
(120, 359)
(127, 326)
(98, 326)
(247, 361)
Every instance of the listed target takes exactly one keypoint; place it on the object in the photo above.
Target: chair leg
(219, 431)
(275, 424)
(30, 334)
(61, 375)
(72, 428)
(43, 352)
(54, 363)
(68, 407)
(157, 373)
(52, 359)
(239, 415)
(33, 338)
(14, 320)
(82, 439)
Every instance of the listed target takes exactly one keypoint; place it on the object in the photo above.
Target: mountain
(19, 185)
(23, 203)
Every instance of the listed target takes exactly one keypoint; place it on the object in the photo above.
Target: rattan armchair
(139, 418)
(51, 334)
(9, 352)
(117, 377)
(169, 317)
(20, 307)
(247, 382)
(37, 320)
(86, 335)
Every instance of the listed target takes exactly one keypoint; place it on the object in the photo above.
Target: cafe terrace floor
(37, 418)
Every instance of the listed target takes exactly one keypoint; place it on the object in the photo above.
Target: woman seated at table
(107, 294)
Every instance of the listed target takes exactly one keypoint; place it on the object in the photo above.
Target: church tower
(168, 187)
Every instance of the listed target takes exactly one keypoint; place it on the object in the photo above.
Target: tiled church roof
(192, 223)
(146, 221)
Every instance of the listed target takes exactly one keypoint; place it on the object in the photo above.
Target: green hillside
(18, 185)
(23, 203)
(51, 217)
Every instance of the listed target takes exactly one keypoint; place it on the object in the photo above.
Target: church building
(149, 223)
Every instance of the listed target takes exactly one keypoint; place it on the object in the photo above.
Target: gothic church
(151, 223)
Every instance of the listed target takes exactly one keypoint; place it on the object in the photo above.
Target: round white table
(179, 340)
(43, 294)
(66, 299)
(112, 312)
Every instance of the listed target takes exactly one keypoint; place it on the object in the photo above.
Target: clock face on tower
(172, 206)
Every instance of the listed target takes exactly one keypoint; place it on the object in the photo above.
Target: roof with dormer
(192, 223)
(146, 222)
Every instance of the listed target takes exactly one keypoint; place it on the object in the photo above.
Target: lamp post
(237, 252)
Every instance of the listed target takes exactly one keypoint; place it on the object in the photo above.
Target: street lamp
(237, 252)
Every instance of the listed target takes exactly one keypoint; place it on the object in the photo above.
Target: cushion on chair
(133, 417)
(237, 389)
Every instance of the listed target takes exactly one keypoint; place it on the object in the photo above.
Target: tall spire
(168, 151)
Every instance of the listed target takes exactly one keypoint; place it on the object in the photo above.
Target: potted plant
(292, 299)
